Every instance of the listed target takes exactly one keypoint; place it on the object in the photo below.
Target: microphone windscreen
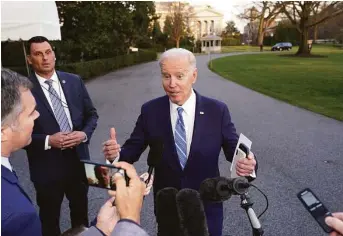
(191, 213)
(156, 152)
(240, 185)
(166, 212)
(215, 190)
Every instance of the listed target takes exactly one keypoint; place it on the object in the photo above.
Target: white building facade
(202, 20)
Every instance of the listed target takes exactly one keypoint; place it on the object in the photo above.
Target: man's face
(103, 175)
(177, 79)
(22, 130)
(42, 57)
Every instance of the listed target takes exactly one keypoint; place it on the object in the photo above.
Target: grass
(315, 84)
(226, 49)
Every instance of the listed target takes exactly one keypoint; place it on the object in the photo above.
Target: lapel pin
(63, 81)
(201, 113)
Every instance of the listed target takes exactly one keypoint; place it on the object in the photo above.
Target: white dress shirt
(57, 86)
(188, 115)
(6, 163)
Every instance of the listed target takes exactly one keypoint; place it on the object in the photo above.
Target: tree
(105, 28)
(263, 17)
(175, 25)
(230, 28)
(302, 15)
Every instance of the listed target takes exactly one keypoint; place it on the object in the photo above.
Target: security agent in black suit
(60, 138)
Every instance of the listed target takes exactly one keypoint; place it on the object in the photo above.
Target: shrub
(90, 69)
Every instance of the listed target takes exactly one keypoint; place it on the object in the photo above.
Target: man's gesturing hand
(128, 199)
(111, 148)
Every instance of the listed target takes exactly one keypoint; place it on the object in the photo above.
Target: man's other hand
(246, 166)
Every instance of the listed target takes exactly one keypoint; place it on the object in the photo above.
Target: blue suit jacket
(18, 215)
(213, 130)
(47, 165)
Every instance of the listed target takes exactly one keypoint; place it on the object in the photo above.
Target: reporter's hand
(111, 148)
(144, 177)
(246, 166)
(128, 199)
(107, 217)
(335, 222)
(73, 139)
(56, 140)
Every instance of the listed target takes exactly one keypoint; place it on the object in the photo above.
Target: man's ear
(5, 132)
(29, 60)
(195, 75)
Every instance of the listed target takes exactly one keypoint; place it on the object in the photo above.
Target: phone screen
(101, 176)
(309, 198)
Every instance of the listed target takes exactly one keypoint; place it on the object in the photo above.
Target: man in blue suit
(18, 215)
(193, 129)
(60, 138)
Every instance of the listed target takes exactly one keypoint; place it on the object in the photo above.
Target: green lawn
(245, 48)
(312, 83)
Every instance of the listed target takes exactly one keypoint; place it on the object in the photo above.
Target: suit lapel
(38, 91)
(10, 177)
(199, 123)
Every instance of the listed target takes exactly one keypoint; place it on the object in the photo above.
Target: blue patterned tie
(180, 138)
(57, 105)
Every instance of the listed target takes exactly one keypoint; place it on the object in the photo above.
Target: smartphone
(101, 175)
(316, 208)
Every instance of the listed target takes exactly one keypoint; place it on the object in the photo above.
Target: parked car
(282, 46)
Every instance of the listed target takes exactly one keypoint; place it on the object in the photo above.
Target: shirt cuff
(129, 221)
(115, 160)
(86, 138)
(46, 146)
(253, 174)
(102, 233)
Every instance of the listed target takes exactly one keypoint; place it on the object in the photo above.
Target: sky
(229, 8)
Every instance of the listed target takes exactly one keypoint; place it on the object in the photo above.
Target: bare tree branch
(325, 18)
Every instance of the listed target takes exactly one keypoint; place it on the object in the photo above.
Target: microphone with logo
(191, 213)
(154, 156)
(166, 213)
(220, 189)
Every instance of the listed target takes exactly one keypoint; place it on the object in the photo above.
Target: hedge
(90, 69)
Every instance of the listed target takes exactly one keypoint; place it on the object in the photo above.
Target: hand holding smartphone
(315, 207)
(101, 175)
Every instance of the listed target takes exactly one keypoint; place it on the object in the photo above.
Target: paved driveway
(295, 148)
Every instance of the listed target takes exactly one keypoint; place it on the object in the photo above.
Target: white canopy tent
(22, 20)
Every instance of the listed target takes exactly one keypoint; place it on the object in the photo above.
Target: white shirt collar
(188, 106)
(6, 163)
(42, 80)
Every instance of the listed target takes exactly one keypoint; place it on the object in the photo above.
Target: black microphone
(166, 212)
(154, 156)
(220, 189)
(191, 213)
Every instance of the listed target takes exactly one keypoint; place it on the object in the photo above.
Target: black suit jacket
(49, 165)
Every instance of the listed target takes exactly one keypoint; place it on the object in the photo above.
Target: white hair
(178, 53)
